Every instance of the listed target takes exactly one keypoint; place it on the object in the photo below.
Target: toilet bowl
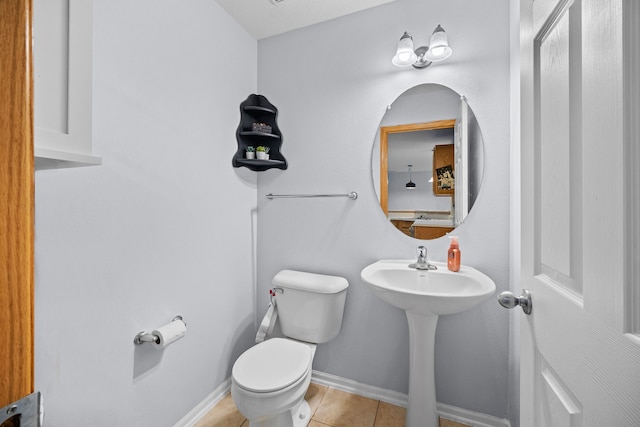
(269, 380)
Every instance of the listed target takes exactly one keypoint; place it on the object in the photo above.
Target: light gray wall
(165, 226)
(331, 83)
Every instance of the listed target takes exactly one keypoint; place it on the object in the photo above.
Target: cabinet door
(443, 170)
(404, 226)
(428, 233)
(461, 154)
(62, 63)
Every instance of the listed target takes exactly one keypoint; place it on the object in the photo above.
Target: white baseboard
(206, 405)
(473, 418)
(453, 413)
(345, 384)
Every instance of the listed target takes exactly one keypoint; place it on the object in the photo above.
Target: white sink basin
(435, 292)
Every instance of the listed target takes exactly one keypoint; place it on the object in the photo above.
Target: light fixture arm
(421, 61)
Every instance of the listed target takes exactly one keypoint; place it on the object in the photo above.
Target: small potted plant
(262, 152)
(250, 153)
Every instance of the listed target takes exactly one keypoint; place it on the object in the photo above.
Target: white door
(461, 159)
(580, 347)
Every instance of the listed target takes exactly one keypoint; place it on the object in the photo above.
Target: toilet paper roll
(169, 333)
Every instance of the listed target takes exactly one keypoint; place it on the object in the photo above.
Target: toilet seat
(272, 365)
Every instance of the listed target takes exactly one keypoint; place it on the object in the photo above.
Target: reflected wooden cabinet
(443, 170)
(421, 231)
(404, 226)
(427, 233)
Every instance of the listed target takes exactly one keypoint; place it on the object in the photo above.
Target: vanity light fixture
(422, 57)
(410, 185)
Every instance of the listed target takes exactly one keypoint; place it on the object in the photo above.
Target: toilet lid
(272, 365)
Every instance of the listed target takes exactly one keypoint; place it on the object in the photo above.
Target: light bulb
(405, 55)
(439, 49)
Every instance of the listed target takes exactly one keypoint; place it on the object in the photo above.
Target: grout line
(324, 395)
(375, 418)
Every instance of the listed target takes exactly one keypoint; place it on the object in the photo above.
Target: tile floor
(330, 408)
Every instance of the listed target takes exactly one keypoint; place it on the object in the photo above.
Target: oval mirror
(428, 161)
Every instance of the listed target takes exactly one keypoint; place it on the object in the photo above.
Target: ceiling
(266, 18)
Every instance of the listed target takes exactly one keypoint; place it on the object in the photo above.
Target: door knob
(509, 300)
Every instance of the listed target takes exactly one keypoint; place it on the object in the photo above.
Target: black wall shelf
(256, 109)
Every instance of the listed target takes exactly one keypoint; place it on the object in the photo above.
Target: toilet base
(302, 415)
(297, 417)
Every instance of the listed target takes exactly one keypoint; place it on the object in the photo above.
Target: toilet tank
(310, 305)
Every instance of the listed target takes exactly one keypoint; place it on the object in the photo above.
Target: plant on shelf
(250, 153)
(262, 152)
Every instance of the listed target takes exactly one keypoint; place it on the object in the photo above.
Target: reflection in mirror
(431, 128)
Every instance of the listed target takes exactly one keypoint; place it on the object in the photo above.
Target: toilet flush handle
(274, 292)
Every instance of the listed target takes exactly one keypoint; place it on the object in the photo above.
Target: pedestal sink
(425, 295)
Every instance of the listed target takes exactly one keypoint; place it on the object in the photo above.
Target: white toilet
(269, 380)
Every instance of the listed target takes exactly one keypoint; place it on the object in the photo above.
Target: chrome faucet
(422, 263)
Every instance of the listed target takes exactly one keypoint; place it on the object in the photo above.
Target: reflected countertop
(433, 223)
(423, 218)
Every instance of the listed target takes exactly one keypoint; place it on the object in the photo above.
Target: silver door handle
(509, 300)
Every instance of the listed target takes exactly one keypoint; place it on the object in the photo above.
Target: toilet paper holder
(145, 336)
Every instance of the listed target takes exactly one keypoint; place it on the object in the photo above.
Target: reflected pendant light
(410, 185)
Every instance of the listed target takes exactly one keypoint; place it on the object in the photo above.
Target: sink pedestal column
(421, 409)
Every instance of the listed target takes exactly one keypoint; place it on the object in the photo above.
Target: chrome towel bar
(352, 195)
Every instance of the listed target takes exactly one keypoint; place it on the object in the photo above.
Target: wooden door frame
(17, 183)
(385, 131)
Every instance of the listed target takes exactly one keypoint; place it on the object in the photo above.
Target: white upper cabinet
(62, 73)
